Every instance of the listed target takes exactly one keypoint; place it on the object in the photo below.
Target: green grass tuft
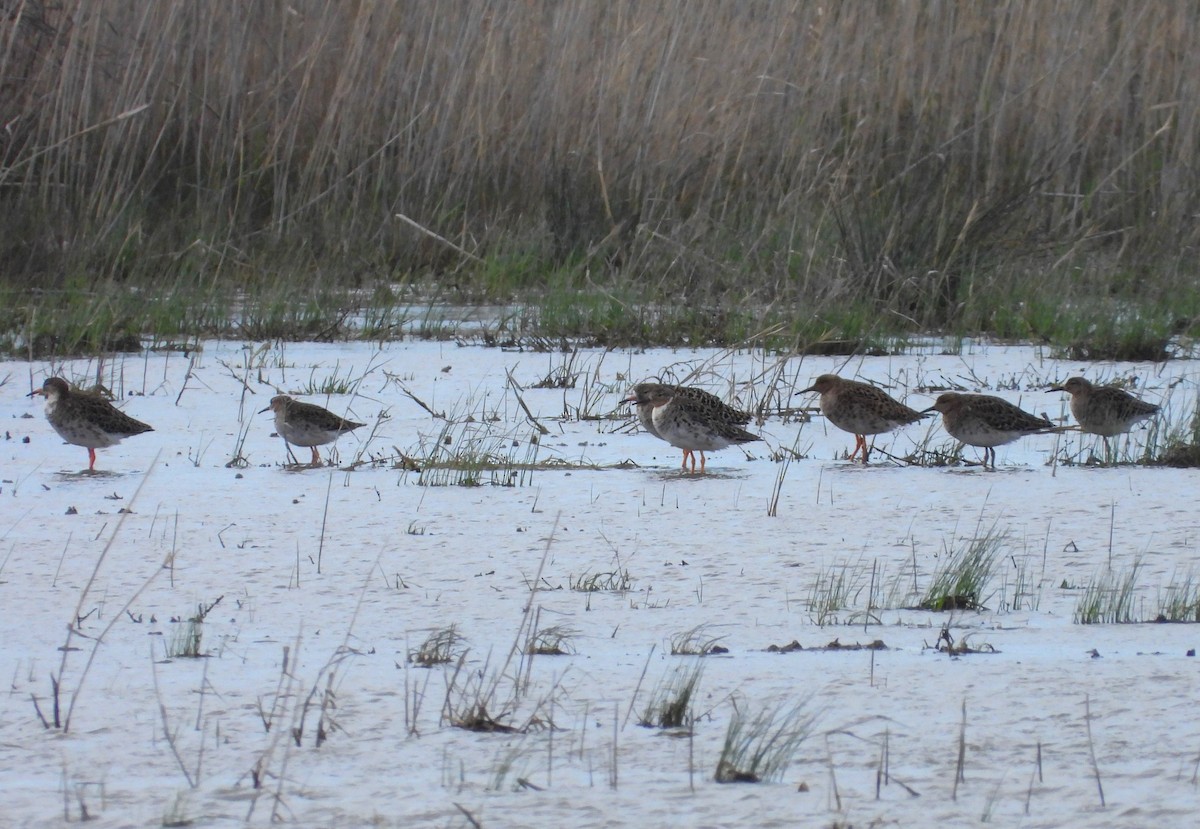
(1180, 600)
(1109, 598)
(962, 580)
(670, 705)
(759, 748)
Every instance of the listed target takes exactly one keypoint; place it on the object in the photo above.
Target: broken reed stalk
(244, 422)
(412, 705)
(962, 752)
(61, 558)
(516, 387)
(529, 652)
(174, 550)
(1112, 520)
(328, 705)
(342, 652)
(833, 786)
(324, 520)
(187, 375)
(638, 687)
(464, 253)
(883, 769)
(200, 705)
(470, 817)
(691, 735)
(777, 489)
(277, 801)
(268, 718)
(550, 748)
(383, 417)
(526, 613)
(259, 771)
(781, 474)
(99, 640)
(408, 393)
(1036, 774)
(484, 698)
(169, 735)
(1087, 714)
(870, 607)
(612, 778)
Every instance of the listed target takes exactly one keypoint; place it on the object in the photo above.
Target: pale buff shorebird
(986, 421)
(1107, 411)
(690, 419)
(306, 424)
(861, 409)
(85, 419)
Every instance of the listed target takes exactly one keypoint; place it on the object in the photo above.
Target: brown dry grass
(777, 151)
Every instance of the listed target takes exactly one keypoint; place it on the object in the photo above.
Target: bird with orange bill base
(690, 419)
(306, 424)
(1107, 411)
(85, 419)
(986, 421)
(861, 409)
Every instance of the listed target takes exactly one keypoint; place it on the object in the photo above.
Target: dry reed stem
(796, 130)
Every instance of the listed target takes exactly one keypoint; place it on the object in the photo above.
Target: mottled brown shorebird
(306, 424)
(861, 409)
(986, 421)
(690, 419)
(641, 396)
(1105, 410)
(84, 419)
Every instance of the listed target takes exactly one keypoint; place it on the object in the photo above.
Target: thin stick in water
(962, 752)
(1087, 714)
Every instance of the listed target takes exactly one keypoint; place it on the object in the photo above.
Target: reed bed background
(700, 168)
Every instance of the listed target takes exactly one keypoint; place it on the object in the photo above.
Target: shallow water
(327, 578)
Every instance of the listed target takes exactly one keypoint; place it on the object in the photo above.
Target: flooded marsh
(462, 616)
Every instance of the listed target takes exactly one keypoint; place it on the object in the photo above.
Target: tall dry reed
(790, 151)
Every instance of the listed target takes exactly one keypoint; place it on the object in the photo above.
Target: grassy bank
(628, 172)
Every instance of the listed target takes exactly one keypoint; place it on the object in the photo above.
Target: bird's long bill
(805, 391)
(930, 409)
(261, 411)
(35, 392)
(1055, 388)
